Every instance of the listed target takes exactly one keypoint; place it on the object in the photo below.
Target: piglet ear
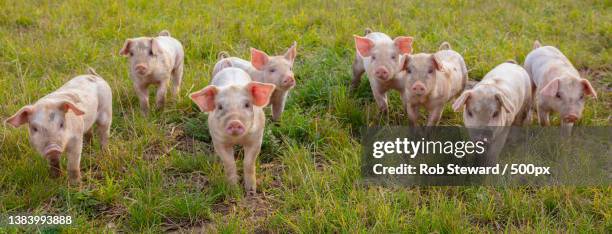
(155, 48)
(404, 61)
(205, 98)
(126, 48)
(461, 100)
(69, 106)
(291, 52)
(505, 103)
(259, 59)
(588, 89)
(21, 117)
(364, 46)
(403, 44)
(260, 92)
(438, 65)
(551, 88)
(226, 63)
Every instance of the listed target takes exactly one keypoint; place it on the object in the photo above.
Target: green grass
(160, 173)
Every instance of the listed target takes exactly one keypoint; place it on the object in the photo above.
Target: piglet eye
(558, 95)
(34, 129)
(393, 57)
(131, 54)
(272, 70)
(409, 71)
(495, 114)
(220, 107)
(247, 105)
(151, 52)
(430, 71)
(581, 96)
(469, 113)
(62, 125)
(373, 57)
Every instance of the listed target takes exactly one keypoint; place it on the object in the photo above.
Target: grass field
(160, 173)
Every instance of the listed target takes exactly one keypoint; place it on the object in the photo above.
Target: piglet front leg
(160, 96)
(278, 100)
(381, 99)
(73, 152)
(54, 165)
(250, 160)
(543, 116)
(226, 153)
(143, 97)
(435, 115)
(413, 114)
(358, 70)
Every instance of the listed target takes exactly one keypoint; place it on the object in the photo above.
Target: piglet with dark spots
(431, 80)
(154, 61)
(57, 122)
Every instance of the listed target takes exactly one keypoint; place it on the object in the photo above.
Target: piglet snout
(418, 88)
(53, 149)
(381, 73)
(141, 69)
(571, 118)
(289, 81)
(235, 128)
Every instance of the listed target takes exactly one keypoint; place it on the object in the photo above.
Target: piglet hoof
(104, 146)
(232, 180)
(144, 111)
(55, 172)
(88, 137)
(106, 150)
(75, 182)
(54, 166)
(251, 193)
(159, 105)
(74, 177)
(384, 110)
(353, 87)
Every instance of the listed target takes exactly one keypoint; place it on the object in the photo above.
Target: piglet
(277, 70)
(379, 57)
(502, 98)
(235, 117)
(559, 87)
(59, 121)
(431, 80)
(154, 60)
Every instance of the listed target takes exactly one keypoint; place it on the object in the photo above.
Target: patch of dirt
(114, 211)
(258, 206)
(178, 141)
(192, 146)
(200, 227)
(188, 144)
(196, 180)
(276, 169)
(154, 151)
